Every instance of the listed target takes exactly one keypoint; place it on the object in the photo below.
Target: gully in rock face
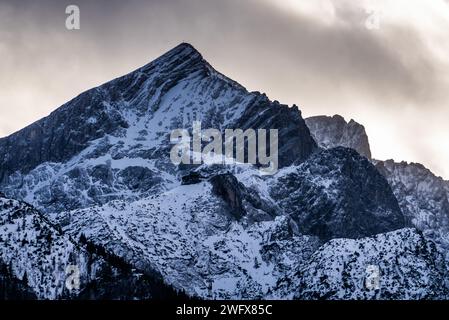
(212, 153)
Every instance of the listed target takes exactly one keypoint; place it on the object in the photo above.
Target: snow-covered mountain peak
(100, 183)
(184, 59)
(183, 49)
(113, 141)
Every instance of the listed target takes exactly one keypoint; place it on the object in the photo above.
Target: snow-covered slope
(109, 199)
(188, 235)
(234, 236)
(35, 249)
(37, 253)
(397, 265)
(112, 142)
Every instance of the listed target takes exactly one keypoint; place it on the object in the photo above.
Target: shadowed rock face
(113, 141)
(192, 178)
(295, 141)
(331, 132)
(97, 112)
(241, 201)
(422, 196)
(98, 169)
(337, 193)
(230, 190)
(59, 136)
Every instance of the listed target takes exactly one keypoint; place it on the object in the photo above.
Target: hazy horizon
(323, 56)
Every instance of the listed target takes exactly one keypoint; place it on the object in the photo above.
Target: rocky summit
(92, 187)
(331, 132)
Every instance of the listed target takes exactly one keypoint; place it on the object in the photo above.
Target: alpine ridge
(422, 196)
(92, 185)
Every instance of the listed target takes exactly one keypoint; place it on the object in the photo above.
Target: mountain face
(92, 185)
(197, 244)
(337, 193)
(35, 254)
(422, 196)
(228, 235)
(113, 142)
(331, 132)
(408, 266)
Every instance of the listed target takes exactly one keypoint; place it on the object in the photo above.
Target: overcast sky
(383, 63)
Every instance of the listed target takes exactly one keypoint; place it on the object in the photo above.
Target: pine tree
(256, 263)
(82, 239)
(25, 279)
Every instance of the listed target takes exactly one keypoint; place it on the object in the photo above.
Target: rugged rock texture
(192, 178)
(241, 201)
(111, 201)
(409, 267)
(115, 147)
(337, 193)
(295, 141)
(330, 132)
(423, 198)
(112, 142)
(35, 253)
(190, 237)
(422, 194)
(227, 187)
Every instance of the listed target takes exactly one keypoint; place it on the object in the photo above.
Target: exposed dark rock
(112, 143)
(139, 178)
(337, 193)
(240, 200)
(192, 178)
(102, 173)
(295, 141)
(61, 135)
(95, 125)
(231, 191)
